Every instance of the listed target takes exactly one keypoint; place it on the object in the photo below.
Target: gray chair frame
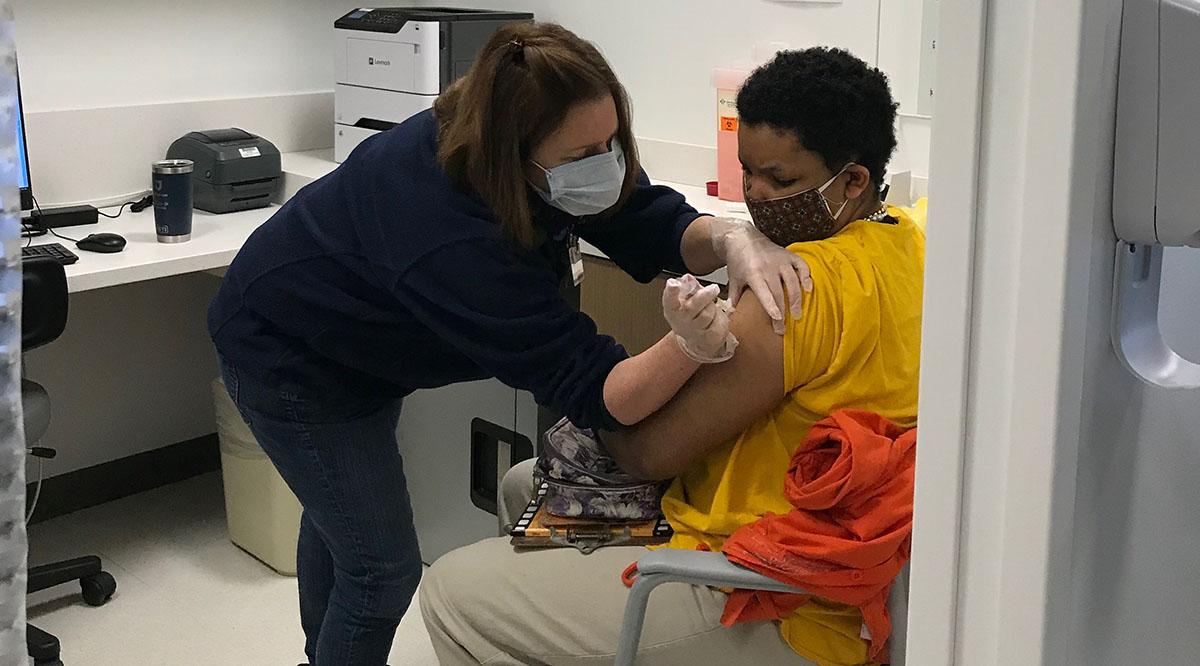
(715, 570)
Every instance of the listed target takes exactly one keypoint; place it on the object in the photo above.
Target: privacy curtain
(12, 437)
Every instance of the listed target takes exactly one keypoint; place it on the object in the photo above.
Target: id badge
(576, 257)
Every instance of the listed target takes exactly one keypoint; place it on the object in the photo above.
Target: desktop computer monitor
(23, 154)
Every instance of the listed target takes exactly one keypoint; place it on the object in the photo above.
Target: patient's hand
(714, 407)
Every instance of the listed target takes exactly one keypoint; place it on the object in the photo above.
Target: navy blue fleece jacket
(385, 277)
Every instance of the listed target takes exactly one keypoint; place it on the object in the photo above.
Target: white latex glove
(756, 263)
(699, 320)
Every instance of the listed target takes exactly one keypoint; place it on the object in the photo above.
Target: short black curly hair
(839, 107)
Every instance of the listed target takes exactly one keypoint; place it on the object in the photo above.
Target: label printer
(235, 170)
(392, 63)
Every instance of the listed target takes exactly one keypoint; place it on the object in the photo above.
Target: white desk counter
(216, 239)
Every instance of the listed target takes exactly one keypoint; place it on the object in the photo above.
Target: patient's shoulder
(758, 344)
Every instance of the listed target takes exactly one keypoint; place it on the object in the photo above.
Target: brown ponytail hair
(515, 95)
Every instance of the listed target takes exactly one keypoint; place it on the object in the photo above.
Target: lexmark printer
(393, 62)
(235, 170)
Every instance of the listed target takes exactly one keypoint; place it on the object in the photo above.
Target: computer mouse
(102, 243)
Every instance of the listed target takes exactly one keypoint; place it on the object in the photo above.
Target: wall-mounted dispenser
(1156, 197)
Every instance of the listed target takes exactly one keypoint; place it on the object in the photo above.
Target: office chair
(43, 319)
(715, 570)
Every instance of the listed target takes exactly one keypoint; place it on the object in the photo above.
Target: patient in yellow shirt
(815, 137)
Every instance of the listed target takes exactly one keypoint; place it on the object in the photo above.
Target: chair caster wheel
(98, 589)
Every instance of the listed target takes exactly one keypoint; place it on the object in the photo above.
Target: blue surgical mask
(588, 186)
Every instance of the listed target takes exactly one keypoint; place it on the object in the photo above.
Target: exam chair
(43, 319)
(715, 570)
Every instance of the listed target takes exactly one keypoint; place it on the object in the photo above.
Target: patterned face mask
(797, 218)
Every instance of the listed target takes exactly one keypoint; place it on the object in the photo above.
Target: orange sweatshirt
(851, 483)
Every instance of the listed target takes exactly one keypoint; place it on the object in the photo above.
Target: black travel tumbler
(172, 180)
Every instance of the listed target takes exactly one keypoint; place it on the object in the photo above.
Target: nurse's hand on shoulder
(756, 263)
(699, 320)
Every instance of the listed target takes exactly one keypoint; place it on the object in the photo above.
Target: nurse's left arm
(657, 230)
(715, 406)
(645, 237)
(696, 247)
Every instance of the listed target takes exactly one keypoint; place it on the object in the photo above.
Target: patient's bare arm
(716, 405)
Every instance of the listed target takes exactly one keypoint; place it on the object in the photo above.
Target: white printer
(393, 62)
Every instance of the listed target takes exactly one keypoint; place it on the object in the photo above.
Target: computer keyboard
(53, 250)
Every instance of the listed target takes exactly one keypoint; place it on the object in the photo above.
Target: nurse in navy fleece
(435, 254)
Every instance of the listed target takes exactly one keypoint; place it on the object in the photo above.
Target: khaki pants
(488, 604)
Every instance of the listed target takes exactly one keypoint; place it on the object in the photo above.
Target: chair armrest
(706, 568)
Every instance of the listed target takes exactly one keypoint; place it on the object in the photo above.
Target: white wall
(901, 23)
(82, 54)
(664, 52)
(71, 162)
(107, 86)
(900, 26)
(155, 58)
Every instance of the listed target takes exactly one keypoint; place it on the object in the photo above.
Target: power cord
(41, 453)
(58, 235)
(29, 231)
(32, 230)
(136, 206)
(49, 229)
(37, 494)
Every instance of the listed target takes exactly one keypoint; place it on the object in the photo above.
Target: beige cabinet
(629, 311)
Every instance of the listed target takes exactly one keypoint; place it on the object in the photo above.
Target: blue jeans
(357, 561)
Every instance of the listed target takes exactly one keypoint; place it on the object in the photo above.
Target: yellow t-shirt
(919, 212)
(856, 346)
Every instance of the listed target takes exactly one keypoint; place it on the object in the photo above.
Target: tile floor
(185, 594)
